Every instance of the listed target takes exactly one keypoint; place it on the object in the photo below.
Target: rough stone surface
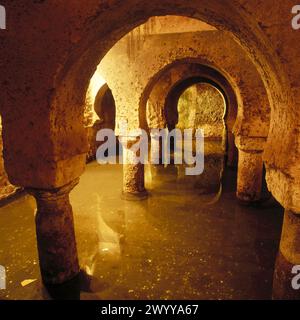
(249, 181)
(202, 106)
(167, 90)
(213, 48)
(288, 257)
(133, 172)
(290, 237)
(151, 63)
(54, 49)
(55, 235)
(46, 102)
(6, 188)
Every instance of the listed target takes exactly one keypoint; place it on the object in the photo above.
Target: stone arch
(85, 34)
(212, 48)
(45, 103)
(100, 113)
(172, 101)
(178, 89)
(181, 75)
(206, 48)
(104, 107)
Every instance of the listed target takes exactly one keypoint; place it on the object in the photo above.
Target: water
(189, 240)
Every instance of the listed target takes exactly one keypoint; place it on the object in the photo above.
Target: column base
(138, 196)
(282, 282)
(69, 290)
(247, 200)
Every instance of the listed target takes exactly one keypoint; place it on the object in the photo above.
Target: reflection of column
(250, 170)
(133, 171)
(55, 234)
(286, 282)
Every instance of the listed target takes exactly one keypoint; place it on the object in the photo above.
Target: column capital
(128, 141)
(53, 194)
(128, 133)
(250, 144)
(157, 132)
(284, 188)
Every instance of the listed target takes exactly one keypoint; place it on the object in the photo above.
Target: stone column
(55, 234)
(156, 148)
(232, 153)
(133, 171)
(249, 181)
(250, 169)
(288, 258)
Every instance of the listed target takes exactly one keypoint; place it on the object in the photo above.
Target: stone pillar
(249, 181)
(288, 258)
(133, 171)
(232, 153)
(156, 148)
(55, 234)
(250, 168)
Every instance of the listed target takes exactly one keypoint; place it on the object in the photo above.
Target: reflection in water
(108, 240)
(173, 178)
(186, 241)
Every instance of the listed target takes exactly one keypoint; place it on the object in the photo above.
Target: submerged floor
(185, 242)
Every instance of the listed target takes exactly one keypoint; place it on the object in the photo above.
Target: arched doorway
(64, 105)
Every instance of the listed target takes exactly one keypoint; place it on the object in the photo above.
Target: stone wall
(202, 106)
(45, 101)
(6, 188)
(132, 80)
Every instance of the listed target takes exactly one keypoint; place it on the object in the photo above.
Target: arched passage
(105, 108)
(202, 105)
(91, 48)
(100, 113)
(175, 80)
(54, 158)
(188, 72)
(173, 97)
(252, 125)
